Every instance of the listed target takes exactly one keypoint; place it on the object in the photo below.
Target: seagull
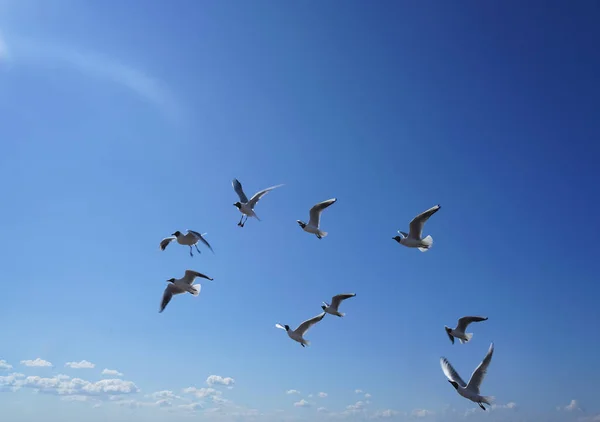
(335, 303)
(182, 285)
(471, 390)
(190, 239)
(315, 219)
(413, 238)
(302, 329)
(461, 327)
(247, 207)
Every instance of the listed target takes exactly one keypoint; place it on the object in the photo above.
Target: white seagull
(190, 239)
(302, 329)
(335, 304)
(182, 285)
(413, 239)
(471, 390)
(247, 207)
(461, 327)
(315, 219)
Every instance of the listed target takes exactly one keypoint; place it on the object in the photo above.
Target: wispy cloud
(36, 363)
(84, 364)
(292, 392)
(302, 403)
(322, 395)
(150, 89)
(5, 365)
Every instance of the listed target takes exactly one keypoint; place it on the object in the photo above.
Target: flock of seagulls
(413, 239)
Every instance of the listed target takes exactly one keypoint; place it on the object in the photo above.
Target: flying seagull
(302, 329)
(413, 239)
(335, 303)
(247, 207)
(471, 390)
(315, 219)
(461, 327)
(190, 239)
(182, 285)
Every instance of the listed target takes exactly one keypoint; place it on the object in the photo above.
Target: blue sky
(122, 122)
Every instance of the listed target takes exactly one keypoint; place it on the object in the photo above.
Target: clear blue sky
(121, 122)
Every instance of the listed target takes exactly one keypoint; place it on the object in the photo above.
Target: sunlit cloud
(292, 392)
(216, 379)
(111, 372)
(4, 365)
(36, 363)
(302, 403)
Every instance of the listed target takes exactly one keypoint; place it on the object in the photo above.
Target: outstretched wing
(315, 212)
(417, 223)
(237, 187)
(165, 242)
(480, 371)
(337, 299)
(168, 295)
(303, 328)
(190, 275)
(260, 194)
(450, 373)
(201, 239)
(464, 322)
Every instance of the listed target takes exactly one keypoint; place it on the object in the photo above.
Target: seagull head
(171, 280)
(238, 205)
(301, 223)
(454, 384)
(287, 327)
(397, 238)
(176, 234)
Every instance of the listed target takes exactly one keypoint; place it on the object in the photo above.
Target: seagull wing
(337, 299)
(315, 212)
(450, 373)
(237, 186)
(416, 225)
(165, 242)
(168, 294)
(303, 328)
(260, 194)
(464, 322)
(190, 275)
(201, 239)
(480, 371)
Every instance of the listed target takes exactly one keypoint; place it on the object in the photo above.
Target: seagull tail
(427, 242)
(468, 338)
(195, 290)
(488, 399)
(322, 234)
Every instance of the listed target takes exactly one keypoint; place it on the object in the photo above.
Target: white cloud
(3, 364)
(292, 392)
(302, 403)
(510, 405)
(322, 395)
(385, 414)
(36, 363)
(191, 407)
(571, 407)
(358, 391)
(84, 364)
(164, 395)
(421, 413)
(63, 385)
(322, 410)
(357, 407)
(367, 396)
(111, 372)
(216, 379)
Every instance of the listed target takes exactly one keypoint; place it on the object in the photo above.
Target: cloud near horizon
(84, 364)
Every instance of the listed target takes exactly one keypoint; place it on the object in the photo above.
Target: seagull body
(182, 285)
(315, 219)
(461, 327)
(413, 239)
(335, 304)
(190, 238)
(245, 206)
(471, 390)
(298, 333)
